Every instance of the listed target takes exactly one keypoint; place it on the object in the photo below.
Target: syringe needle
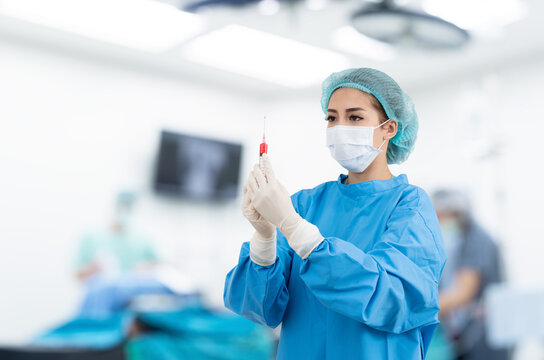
(264, 128)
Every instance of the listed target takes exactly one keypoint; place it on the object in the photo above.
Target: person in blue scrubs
(350, 268)
(474, 265)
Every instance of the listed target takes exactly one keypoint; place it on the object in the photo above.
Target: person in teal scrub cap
(350, 268)
(116, 250)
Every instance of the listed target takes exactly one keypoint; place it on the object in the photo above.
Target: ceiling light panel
(264, 56)
(142, 24)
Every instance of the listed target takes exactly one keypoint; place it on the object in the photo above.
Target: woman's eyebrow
(355, 109)
(347, 110)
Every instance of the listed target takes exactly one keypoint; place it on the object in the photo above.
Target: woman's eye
(355, 118)
(330, 118)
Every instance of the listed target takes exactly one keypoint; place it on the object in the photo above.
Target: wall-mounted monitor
(197, 168)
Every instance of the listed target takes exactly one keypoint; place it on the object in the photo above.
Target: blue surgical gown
(368, 291)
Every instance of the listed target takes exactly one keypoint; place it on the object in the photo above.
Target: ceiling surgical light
(392, 24)
(478, 15)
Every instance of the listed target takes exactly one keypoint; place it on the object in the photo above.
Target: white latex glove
(272, 201)
(264, 228)
(262, 247)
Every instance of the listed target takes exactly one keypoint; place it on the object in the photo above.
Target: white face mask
(452, 235)
(353, 146)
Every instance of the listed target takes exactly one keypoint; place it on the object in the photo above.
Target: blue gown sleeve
(394, 286)
(260, 293)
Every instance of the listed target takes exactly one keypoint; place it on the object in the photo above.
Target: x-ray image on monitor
(197, 168)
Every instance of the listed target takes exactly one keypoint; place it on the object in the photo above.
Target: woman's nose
(343, 121)
(338, 122)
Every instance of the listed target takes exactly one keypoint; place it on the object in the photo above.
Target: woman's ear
(391, 129)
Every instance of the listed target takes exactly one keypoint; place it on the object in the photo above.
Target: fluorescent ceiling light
(477, 15)
(351, 41)
(142, 24)
(264, 56)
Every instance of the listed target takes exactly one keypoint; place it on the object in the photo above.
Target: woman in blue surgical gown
(350, 268)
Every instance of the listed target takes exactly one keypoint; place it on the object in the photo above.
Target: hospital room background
(91, 93)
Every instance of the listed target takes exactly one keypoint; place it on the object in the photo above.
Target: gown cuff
(262, 251)
(305, 238)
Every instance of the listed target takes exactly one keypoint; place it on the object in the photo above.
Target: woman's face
(352, 107)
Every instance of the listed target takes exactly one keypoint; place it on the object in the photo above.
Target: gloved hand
(264, 228)
(262, 247)
(271, 199)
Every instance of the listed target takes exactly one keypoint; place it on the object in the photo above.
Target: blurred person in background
(118, 264)
(117, 249)
(473, 264)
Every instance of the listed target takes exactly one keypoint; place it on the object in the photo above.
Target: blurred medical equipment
(188, 330)
(397, 105)
(514, 315)
(46, 353)
(106, 295)
(197, 168)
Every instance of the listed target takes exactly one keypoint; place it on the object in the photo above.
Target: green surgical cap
(397, 105)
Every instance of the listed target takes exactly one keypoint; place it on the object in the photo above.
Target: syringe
(263, 148)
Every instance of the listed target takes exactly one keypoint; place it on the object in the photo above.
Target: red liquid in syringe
(263, 148)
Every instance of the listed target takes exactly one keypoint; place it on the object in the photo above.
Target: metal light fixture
(396, 25)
